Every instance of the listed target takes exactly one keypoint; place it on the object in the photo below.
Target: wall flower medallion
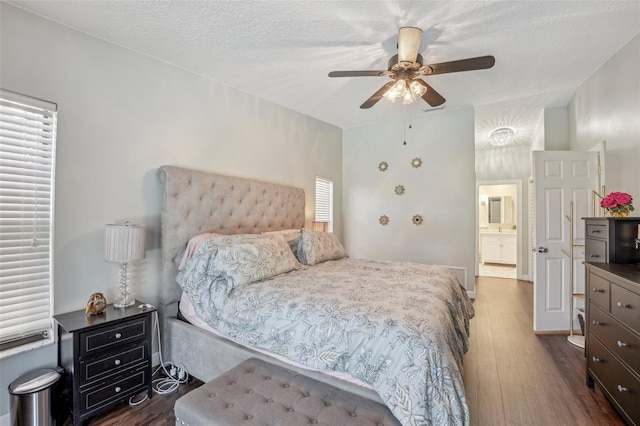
(417, 219)
(384, 220)
(399, 190)
(383, 167)
(416, 162)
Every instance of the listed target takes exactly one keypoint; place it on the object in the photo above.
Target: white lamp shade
(124, 243)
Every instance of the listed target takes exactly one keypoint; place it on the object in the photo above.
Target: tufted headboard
(194, 202)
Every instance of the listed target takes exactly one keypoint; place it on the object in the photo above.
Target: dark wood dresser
(609, 239)
(613, 335)
(106, 357)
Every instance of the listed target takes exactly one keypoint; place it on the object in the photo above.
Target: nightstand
(106, 357)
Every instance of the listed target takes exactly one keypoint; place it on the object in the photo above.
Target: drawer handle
(622, 389)
(117, 362)
(595, 359)
(118, 335)
(118, 389)
(595, 231)
(595, 255)
(597, 290)
(622, 344)
(622, 305)
(595, 322)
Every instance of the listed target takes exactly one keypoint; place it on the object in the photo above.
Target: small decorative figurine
(96, 304)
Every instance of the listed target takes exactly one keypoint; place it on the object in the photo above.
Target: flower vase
(623, 213)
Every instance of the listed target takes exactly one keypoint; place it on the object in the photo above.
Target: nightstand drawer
(104, 338)
(599, 291)
(595, 250)
(121, 389)
(95, 368)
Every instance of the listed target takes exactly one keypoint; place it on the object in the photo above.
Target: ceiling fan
(405, 68)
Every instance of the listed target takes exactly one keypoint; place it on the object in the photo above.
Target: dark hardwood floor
(512, 376)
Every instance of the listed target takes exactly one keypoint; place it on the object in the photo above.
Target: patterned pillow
(253, 260)
(293, 237)
(316, 247)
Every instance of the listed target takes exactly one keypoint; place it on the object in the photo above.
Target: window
(27, 154)
(324, 201)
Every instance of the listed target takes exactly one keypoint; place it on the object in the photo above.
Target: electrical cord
(174, 376)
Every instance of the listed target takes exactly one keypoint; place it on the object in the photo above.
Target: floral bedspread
(400, 327)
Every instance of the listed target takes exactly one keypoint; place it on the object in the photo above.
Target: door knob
(542, 250)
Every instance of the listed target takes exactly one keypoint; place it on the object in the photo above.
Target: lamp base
(124, 298)
(124, 303)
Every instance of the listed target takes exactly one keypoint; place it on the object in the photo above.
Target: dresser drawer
(599, 291)
(104, 338)
(618, 339)
(94, 368)
(597, 230)
(107, 393)
(625, 306)
(618, 382)
(595, 250)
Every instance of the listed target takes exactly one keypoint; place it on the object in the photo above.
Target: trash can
(33, 398)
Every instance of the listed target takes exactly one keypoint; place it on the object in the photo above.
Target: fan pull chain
(404, 129)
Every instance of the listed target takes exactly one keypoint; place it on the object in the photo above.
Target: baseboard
(551, 332)
(461, 274)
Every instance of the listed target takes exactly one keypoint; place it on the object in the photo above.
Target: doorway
(497, 229)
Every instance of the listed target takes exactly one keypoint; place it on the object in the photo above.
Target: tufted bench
(258, 393)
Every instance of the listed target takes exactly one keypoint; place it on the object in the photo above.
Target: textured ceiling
(282, 51)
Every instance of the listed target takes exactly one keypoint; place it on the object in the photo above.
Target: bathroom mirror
(500, 209)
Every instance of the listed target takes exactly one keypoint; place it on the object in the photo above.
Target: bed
(416, 371)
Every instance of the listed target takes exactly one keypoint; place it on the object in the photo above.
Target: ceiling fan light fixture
(407, 92)
(417, 89)
(502, 136)
(398, 90)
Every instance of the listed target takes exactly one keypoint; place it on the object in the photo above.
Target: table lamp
(124, 244)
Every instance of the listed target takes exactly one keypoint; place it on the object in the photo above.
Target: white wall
(442, 191)
(606, 107)
(556, 129)
(121, 116)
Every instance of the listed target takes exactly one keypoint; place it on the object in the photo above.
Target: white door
(560, 177)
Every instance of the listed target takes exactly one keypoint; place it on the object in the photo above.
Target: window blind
(324, 201)
(27, 154)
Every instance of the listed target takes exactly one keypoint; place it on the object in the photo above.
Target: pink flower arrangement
(618, 202)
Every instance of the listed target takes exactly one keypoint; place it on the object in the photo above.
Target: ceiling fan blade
(479, 63)
(357, 73)
(377, 96)
(431, 97)
(409, 44)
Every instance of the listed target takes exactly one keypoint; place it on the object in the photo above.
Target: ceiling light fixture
(502, 136)
(408, 92)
